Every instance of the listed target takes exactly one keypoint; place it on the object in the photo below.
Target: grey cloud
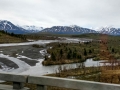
(86, 13)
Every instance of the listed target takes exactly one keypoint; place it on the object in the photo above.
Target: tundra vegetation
(6, 37)
(101, 48)
(63, 53)
(104, 48)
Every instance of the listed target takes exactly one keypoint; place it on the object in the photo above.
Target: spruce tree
(85, 52)
(53, 57)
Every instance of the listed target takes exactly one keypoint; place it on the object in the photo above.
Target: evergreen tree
(53, 57)
(46, 57)
(90, 51)
(79, 57)
(85, 52)
(74, 54)
(69, 55)
(61, 52)
(113, 50)
(12, 34)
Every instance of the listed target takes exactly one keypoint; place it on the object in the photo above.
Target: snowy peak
(73, 29)
(109, 30)
(8, 26)
(32, 28)
(103, 28)
(73, 26)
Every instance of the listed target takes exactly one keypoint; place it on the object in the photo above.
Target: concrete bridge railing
(18, 81)
(43, 81)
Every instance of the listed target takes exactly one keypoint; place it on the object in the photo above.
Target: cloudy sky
(47, 13)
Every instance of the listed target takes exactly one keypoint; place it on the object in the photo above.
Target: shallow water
(15, 51)
(39, 69)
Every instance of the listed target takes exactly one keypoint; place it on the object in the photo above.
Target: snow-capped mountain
(109, 30)
(32, 28)
(73, 29)
(10, 27)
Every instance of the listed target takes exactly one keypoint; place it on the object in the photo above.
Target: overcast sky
(47, 13)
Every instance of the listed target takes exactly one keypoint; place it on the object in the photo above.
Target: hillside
(95, 36)
(68, 30)
(76, 30)
(12, 28)
(11, 38)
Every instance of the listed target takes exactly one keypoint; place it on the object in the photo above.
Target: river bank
(29, 55)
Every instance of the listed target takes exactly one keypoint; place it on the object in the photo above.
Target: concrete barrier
(13, 77)
(8, 87)
(43, 81)
(18, 80)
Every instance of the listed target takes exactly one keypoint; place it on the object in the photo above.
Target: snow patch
(21, 56)
(43, 52)
(21, 64)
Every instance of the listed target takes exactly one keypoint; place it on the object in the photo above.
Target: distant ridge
(11, 28)
(68, 30)
(80, 30)
(32, 29)
(109, 30)
(72, 29)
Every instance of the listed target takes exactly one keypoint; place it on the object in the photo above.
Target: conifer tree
(53, 57)
(85, 52)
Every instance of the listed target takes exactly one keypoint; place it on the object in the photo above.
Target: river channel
(22, 58)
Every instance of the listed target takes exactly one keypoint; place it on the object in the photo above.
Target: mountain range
(11, 28)
(109, 30)
(68, 30)
(73, 29)
(32, 29)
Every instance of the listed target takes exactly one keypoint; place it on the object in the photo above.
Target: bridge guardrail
(43, 81)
